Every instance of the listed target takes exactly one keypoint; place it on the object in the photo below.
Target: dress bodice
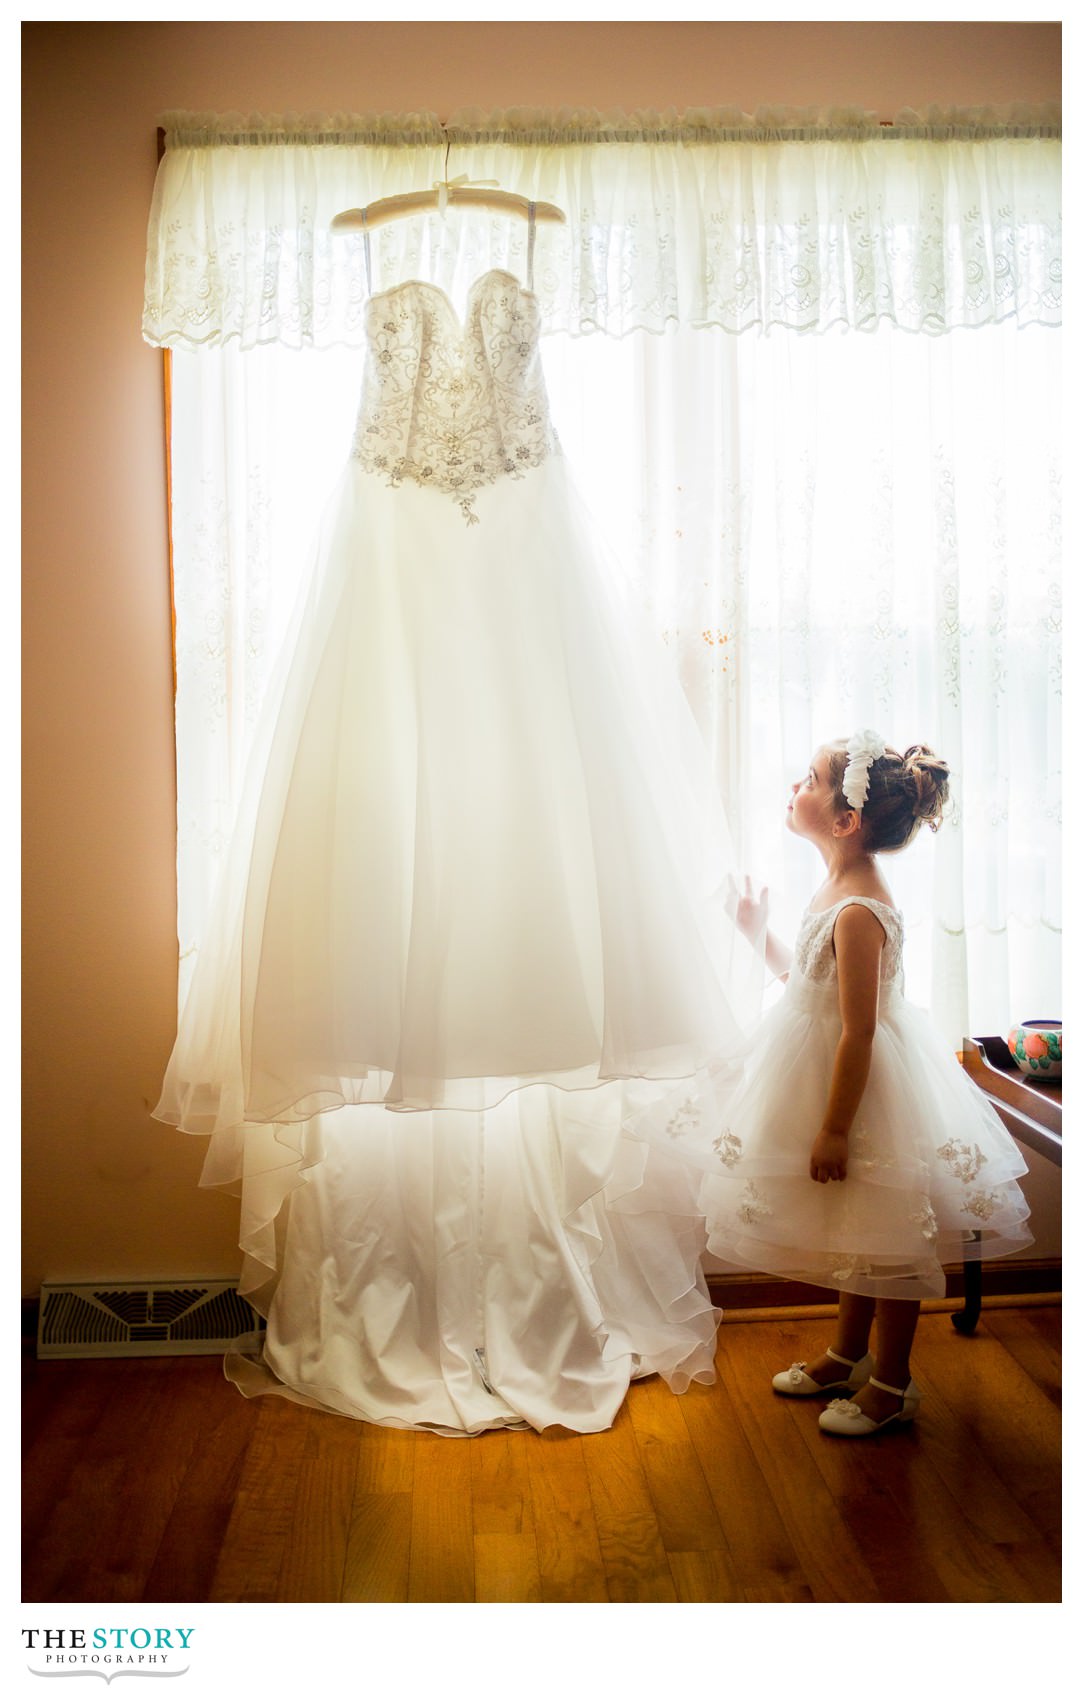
(814, 953)
(454, 405)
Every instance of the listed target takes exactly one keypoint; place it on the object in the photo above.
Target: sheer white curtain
(862, 529)
(945, 219)
(857, 526)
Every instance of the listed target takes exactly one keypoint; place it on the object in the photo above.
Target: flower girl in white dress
(856, 1153)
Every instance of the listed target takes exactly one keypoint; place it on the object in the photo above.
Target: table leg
(966, 1320)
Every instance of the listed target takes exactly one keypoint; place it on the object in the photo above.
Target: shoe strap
(884, 1388)
(839, 1359)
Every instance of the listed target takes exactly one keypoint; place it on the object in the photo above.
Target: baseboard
(1011, 1277)
(1001, 1281)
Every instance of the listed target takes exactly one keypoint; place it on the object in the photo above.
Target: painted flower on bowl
(1036, 1048)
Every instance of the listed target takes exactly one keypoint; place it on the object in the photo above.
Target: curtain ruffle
(943, 219)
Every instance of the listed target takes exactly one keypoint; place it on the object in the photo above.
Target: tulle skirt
(931, 1175)
(470, 926)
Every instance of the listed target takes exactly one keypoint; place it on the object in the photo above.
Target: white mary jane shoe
(797, 1385)
(845, 1417)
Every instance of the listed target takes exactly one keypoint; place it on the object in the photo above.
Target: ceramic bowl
(1036, 1048)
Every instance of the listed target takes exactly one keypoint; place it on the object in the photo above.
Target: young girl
(857, 1154)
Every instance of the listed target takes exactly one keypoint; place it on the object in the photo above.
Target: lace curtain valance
(939, 221)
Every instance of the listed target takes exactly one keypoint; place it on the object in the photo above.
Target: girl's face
(811, 811)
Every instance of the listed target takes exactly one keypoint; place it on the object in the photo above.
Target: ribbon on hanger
(462, 182)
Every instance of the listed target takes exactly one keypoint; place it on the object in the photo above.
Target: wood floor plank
(997, 1552)
(570, 1561)
(759, 1551)
(184, 1565)
(682, 1500)
(875, 1484)
(1005, 1415)
(1033, 1339)
(703, 1578)
(100, 1543)
(377, 1562)
(994, 1552)
(506, 1569)
(1045, 1319)
(49, 1390)
(829, 1557)
(633, 1552)
(500, 1484)
(56, 1431)
(442, 1527)
(260, 1527)
(314, 1561)
(385, 1462)
(946, 1493)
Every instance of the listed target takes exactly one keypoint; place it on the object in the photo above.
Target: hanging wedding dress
(469, 933)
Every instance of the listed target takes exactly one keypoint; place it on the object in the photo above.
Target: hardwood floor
(152, 1479)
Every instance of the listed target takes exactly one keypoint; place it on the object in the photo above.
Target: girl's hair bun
(905, 792)
(927, 775)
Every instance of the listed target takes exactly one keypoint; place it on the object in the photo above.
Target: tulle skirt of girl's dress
(470, 930)
(931, 1177)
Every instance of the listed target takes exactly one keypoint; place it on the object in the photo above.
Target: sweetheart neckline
(424, 283)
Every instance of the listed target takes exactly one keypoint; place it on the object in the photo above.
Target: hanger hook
(447, 156)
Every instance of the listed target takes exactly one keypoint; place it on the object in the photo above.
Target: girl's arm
(750, 917)
(778, 956)
(859, 941)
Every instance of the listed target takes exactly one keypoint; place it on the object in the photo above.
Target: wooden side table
(1030, 1109)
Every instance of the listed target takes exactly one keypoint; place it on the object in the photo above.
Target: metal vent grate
(131, 1319)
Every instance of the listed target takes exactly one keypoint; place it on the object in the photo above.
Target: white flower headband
(863, 749)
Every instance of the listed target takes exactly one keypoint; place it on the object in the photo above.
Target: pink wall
(108, 1193)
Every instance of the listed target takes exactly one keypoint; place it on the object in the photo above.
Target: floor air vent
(131, 1319)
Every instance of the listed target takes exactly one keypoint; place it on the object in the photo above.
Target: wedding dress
(470, 930)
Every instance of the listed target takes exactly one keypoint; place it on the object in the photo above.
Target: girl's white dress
(470, 931)
(931, 1175)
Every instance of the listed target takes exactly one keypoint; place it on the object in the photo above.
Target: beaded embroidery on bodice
(448, 405)
(814, 953)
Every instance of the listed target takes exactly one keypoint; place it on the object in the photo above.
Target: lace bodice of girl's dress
(814, 953)
(454, 405)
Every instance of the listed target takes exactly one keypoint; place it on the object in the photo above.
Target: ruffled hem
(877, 1264)
(577, 830)
(205, 1109)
